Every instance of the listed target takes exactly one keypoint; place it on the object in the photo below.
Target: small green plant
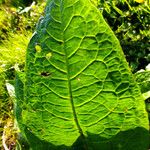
(12, 52)
(143, 79)
(79, 92)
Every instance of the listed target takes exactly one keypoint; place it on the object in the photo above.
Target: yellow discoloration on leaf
(49, 55)
(38, 48)
(139, 1)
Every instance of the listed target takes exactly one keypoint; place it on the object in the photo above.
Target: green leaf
(19, 92)
(146, 95)
(143, 80)
(79, 91)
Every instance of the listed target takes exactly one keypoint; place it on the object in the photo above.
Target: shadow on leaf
(136, 139)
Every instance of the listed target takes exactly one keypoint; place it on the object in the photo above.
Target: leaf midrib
(71, 99)
(69, 86)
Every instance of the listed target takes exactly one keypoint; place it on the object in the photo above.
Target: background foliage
(17, 23)
(131, 23)
(128, 19)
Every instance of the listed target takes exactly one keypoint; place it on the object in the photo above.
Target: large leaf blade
(78, 84)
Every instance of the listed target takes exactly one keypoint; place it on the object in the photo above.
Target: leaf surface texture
(79, 91)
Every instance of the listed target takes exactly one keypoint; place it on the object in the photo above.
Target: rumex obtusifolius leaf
(79, 92)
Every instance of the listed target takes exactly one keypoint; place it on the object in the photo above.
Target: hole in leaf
(45, 74)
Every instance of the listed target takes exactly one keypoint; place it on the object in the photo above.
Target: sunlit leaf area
(74, 74)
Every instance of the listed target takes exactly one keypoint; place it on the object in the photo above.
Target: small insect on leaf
(38, 48)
